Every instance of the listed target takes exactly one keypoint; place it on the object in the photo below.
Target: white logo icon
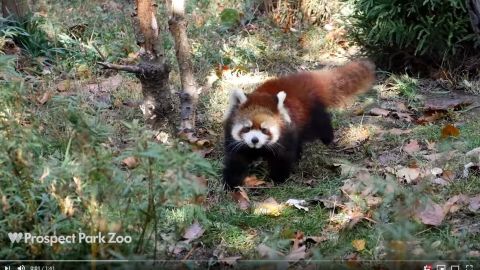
(15, 237)
(21, 267)
(454, 267)
(441, 267)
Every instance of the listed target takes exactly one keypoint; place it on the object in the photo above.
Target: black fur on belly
(282, 158)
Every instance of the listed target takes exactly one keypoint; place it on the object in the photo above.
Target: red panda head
(257, 120)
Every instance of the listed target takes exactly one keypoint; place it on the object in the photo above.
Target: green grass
(406, 86)
(74, 138)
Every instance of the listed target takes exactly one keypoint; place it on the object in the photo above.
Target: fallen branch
(131, 69)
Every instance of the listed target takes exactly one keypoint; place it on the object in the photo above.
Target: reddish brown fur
(329, 87)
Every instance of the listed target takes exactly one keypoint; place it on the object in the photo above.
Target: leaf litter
(411, 147)
(361, 194)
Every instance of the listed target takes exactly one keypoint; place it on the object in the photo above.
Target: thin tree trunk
(190, 89)
(17, 8)
(153, 71)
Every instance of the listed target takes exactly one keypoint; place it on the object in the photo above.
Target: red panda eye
(245, 129)
(265, 131)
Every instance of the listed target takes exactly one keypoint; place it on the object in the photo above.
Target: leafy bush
(61, 172)
(428, 29)
(30, 34)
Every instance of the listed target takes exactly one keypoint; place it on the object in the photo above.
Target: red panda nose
(254, 140)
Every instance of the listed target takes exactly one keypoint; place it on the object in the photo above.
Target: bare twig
(469, 108)
(189, 254)
(132, 69)
(99, 52)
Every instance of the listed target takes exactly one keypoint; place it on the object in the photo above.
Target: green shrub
(61, 173)
(430, 30)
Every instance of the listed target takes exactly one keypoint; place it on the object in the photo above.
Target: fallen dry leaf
(253, 181)
(373, 201)
(411, 147)
(448, 175)
(330, 202)
(440, 181)
(299, 204)
(387, 158)
(188, 136)
(379, 112)
(269, 207)
(347, 169)
(203, 143)
(394, 106)
(447, 155)
(193, 232)
(297, 254)
(316, 239)
(403, 116)
(430, 117)
(63, 85)
(397, 131)
(298, 250)
(44, 98)
(203, 152)
(266, 251)
(230, 261)
(455, 203)
(474, 253)
(430, 144)
(474, 203)
(445, 104)
(358, 244)
(110, 84)
(130, 162)
(298, 240)
(241, 198)
(430, 213)
(450, 131)
(353, 260)
(460, 201)
(5, 204)
(408, 174)
(474, 153)
(436, 171)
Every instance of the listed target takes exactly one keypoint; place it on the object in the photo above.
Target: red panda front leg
(235, 170)
(281, 165)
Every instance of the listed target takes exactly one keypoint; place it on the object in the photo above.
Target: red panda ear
(281, 106)
(237, 98)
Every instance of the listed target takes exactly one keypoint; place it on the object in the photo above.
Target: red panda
(275, 120)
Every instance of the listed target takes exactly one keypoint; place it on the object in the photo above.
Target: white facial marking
(236, 131)
(238, 127)
(255, 138)
(281, 106)
(237, 97)
(274, 132)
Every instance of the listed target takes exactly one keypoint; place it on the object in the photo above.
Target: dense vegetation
(75, 154)
(400, 31)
